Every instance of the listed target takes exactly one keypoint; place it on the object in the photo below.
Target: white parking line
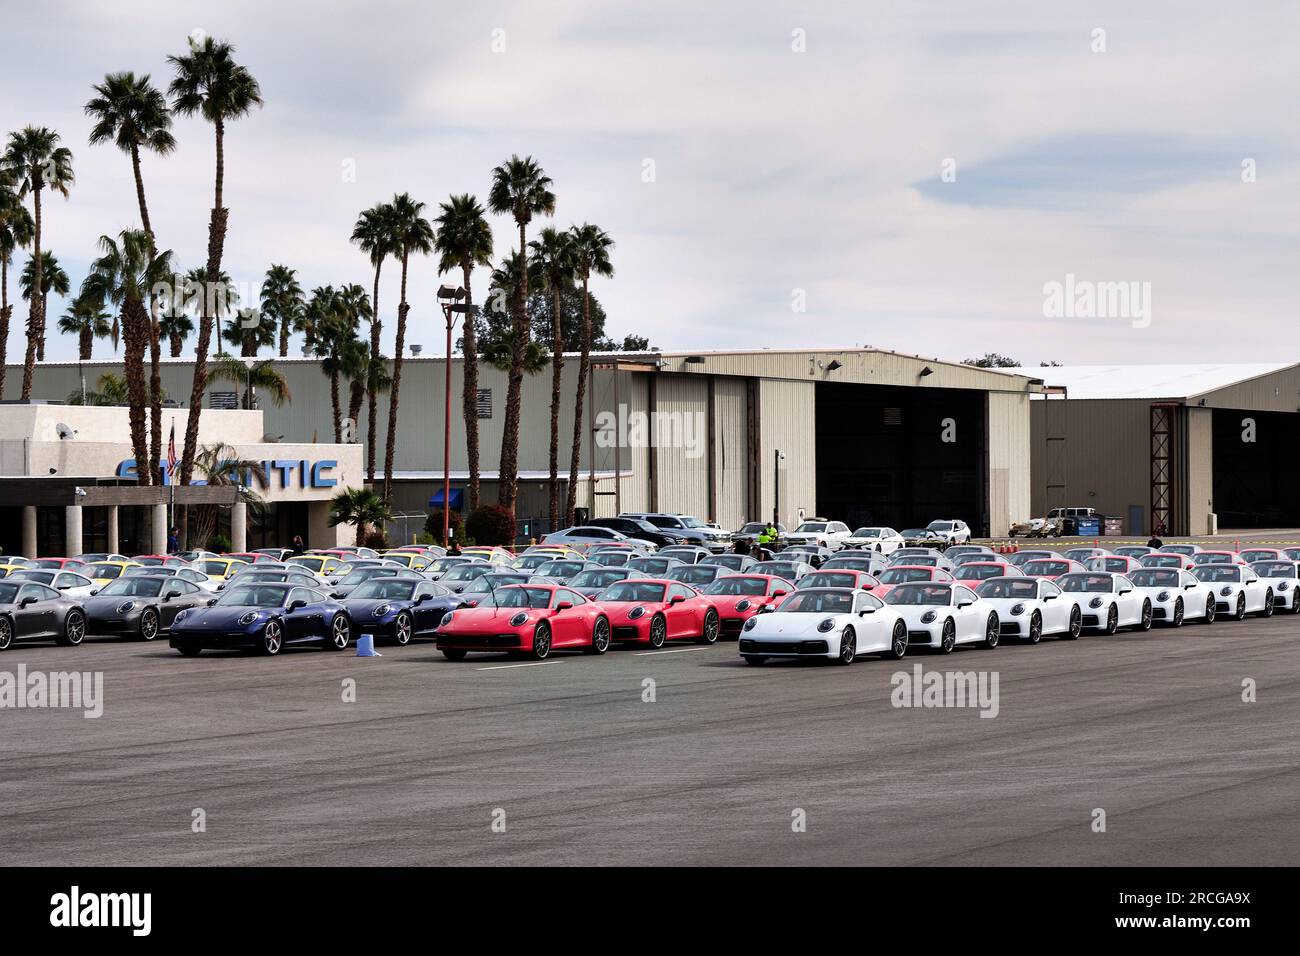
(675, 650)
(501, 667)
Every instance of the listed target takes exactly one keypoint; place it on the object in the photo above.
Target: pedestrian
(298, 546)
(1155, 541)
(173, 541)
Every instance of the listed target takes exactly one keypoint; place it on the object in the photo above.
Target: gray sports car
(34, 612)
(141, 606)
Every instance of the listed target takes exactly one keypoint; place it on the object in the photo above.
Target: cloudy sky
(750, 159)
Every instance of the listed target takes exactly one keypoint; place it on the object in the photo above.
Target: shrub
(374, 538)
(219, 543)
(433, 526)
(491, 525)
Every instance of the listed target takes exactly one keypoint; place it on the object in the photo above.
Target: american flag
(171, 450)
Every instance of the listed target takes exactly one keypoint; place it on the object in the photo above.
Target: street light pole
(776, 487)
(448, 298)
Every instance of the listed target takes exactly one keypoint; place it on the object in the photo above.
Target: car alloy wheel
(1035, 628)
(658, 632)
(898, 645)
(148, 624)
(711, 626)
(1241, 607)
(949, 639)
(600, 636)
(1211, 609)
(1076, 624)
(272, 638)
(1268, 603)
(402, 628)
(340, 633)
(992, 633)
(74, 628)
(6, 633)
(541, 641)
(848, 646)
(1178, 613)
(1145, 623)
(1112, 619)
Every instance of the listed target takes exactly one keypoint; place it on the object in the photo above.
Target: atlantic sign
(282, 473)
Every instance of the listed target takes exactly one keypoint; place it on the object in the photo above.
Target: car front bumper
(795, 647)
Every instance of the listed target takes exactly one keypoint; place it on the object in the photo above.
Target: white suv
(826, 534)
(951, 531)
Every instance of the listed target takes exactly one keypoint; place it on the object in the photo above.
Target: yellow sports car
(219, 569)
(101, 572)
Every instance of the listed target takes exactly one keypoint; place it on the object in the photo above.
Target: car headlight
(744, 605)
(446, 618)
(125, 606)
(1225, 590)
(382, 610)
(750, 624)
(1095, 602)
(1017, 609)
(248, 618)
(928, 617)
(1162, 596)
(518, 619)
(1282, 586)
(826, 624)
(181, 616)
(636, 612)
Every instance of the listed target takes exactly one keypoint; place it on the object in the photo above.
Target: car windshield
(102, 570)
(272, 576)
(467, 572)
(255, 595)
(613, 559)
(1014, 588)
(829, 579)
(519, 596)
(8, 592)
(1118, 564)
(640, 592)
(754, 527)
(1154, 578)
(733, 561)
(446, 564)
(307, 561)
(560, 569)
(847, 564)
(916, 594)
(1274, 569)
(1101, 583)
(1180, 548)
(821, 601)
(904, 575)
(363, 574)
(215, 567)
(651, 565)
(981, 572)
(136, 572)
(528, 561)
(695, 573)
(939, 526)
(389, 589)
(597, 579)
(781, 569)
(1052, 568)
(867, 533)
(135, 587)
(738, 585)
(1212, 557)
(148, 562)
(693, 522)
(811, 527)
(1217, 573)
(1162, 561)
(41, 577)
(1251, 556)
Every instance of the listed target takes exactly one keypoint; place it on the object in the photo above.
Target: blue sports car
(265, 616)
(398, 609)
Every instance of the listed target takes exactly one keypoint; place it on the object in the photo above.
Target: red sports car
(738, 597)
(839, 578)
(532, 619)
(890, 578)
(652, 611)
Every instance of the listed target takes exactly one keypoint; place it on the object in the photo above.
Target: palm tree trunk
(136, 322)
(338, 413)
(86, 342)
(155, 351)
(40, 341)
(584, 371)
(371, 393)
(557, 367)
(284, 336)
(395, 388)
(34, 306)
(5, 313)
(176, 343)
(508, 491)
(470, 394)
(356, 395)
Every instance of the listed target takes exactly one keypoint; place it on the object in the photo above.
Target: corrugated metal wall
(730, 451)
(1200, 468)
(1009, 447)
(788, 416)
(681, 467)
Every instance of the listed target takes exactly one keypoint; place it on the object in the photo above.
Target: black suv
(638, 528)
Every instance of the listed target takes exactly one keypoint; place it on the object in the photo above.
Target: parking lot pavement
(588, 763)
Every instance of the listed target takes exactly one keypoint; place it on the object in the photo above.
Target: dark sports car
(345, 586)
(35, 612)
(265, 617)
(142, 606)
(398, 609)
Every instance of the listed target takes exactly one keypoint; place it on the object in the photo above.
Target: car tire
(541, 648)
(271, 639)
(1211, 610)
(6, 633)
(454, 653)
(148, 624)
(403, 628)
(189, 650)
(1268, 604)
(948, 639)
(74, 629)
(340, 635)
(1035, 628)
(1295, 601)
(898, 641)
(848, 647)
(711, 627)
(1112, 619)
(599, 636)
(1144, 622)
(992, 633)
(1177, 619)
(1075, 629)
(658, 631)
(1240, 613)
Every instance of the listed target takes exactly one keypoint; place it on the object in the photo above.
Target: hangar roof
(1154, 381)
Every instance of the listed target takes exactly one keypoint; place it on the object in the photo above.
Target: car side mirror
(211, 601)
(26, 601)
(565, 605)
(1124, 591)
(964, 604)
(297, 603)
(1049, 597)
(422, 598)
(94, 591)
(1188, 587)
(470, 604)
(767, 609)
(676, 599)
(778, 594)
(866, 610)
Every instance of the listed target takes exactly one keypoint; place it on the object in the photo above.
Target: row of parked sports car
(807, 602)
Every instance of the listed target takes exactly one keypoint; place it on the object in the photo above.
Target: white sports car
(1238, 589)
(1031, 608)
(1281, 575)
(834, 623)
(1176, 595)
(944, 615)
(1107, 601)
(884, 540)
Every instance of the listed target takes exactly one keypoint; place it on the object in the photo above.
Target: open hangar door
(1256, 469)
(882, 457)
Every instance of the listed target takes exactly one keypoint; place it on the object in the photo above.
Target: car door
(298, 620)
(873, 628)
(37, 613)
(1255, 590)
(425, 610)
(1129, 599)
(968, 612)
(1056, 610)
(682, 615)
(575, 621)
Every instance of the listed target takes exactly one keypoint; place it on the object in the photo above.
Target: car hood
(912, 613)
(110, 603)
(728, 602)
(221, 616)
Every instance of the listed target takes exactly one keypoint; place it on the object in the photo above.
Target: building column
(112, 528)
(29, 531)
(158, 529)
(239, 526)
(72, 545)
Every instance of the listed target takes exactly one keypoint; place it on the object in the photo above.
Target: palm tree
(16, 229)
(216, 299)
(554, 254)
(522, 189)
(87, 320)
(210, 82)
(360, 508)
(132, 113)
(373, 234)
(464, 240)
(176, 326)
(251, 330)
(282, 301)
(220, 464)
(250, 376)
(125, 275)
(411, 233)
(111, 389)
(53, 279)
(34, 160)
(335, 317)
(591, 246)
